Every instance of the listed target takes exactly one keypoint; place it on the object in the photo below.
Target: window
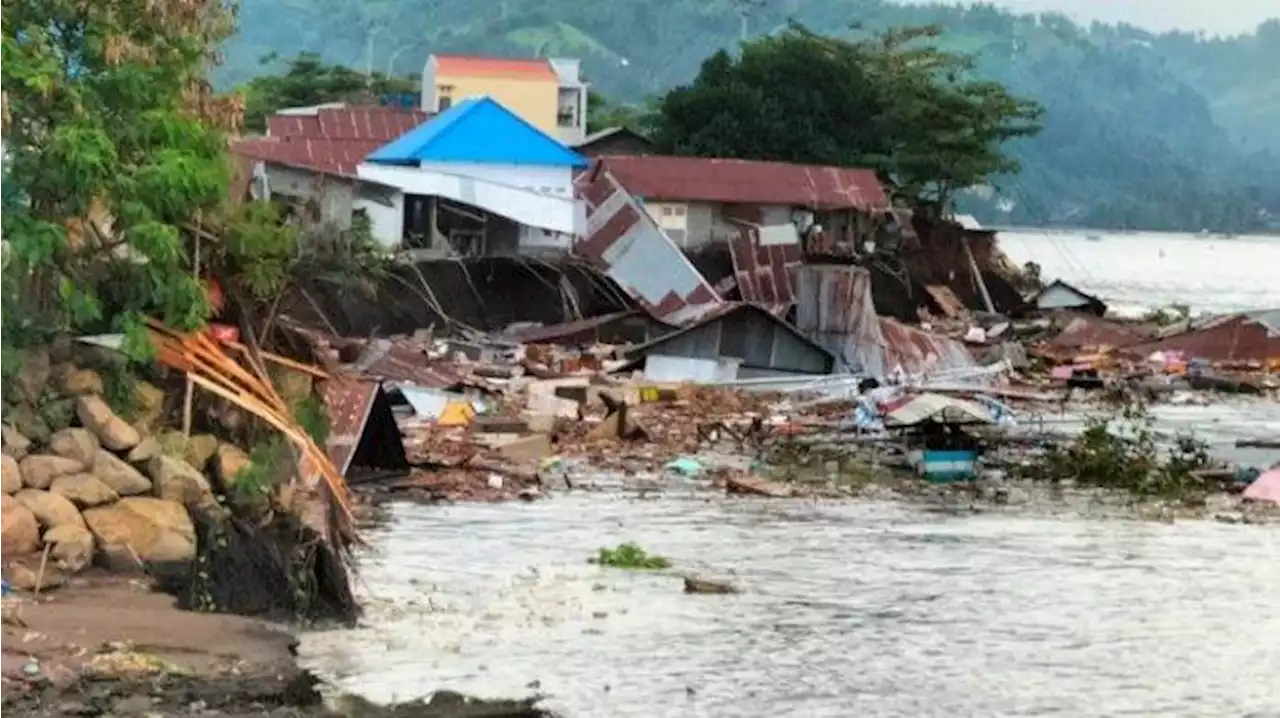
(679, 210)
(668, 210)
(445, 97)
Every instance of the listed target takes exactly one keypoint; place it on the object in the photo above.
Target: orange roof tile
(494, 67)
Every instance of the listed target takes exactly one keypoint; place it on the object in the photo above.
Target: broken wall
(483, 293)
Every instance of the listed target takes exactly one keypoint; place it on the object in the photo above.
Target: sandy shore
(108, 644)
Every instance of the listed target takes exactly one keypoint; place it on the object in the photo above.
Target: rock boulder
(11, 474)
(176, 480)
(113, 432)
(83, 490)
(78, 444)
(229, 461)
(29, 423)
(199, 449)
(148, 404)
(33, 374)
(142, 528)
(21, 533)
(15, 444)
(50, 509)
(145, 451)
(25, 578)
(70, 546)
(39, 470)
(119, 475)
(79, 382)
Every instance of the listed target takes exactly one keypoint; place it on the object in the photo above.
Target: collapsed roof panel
(625, 243)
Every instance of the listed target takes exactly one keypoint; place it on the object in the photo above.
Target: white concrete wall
(557, 213)
(387, 221)
(551, 180)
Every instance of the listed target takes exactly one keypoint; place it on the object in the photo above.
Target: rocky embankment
(99, 489)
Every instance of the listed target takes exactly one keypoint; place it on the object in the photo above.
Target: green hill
(1147, 131)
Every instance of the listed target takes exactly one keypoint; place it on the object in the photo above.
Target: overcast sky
(1214, 16)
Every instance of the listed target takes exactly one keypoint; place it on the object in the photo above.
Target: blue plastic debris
(685, 466)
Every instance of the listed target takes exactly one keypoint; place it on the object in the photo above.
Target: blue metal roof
(478, 130)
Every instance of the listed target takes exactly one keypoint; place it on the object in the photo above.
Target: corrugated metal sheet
(364, 123)
(1086, 330)
(918, 351)
(623, 241)
(834, 308)
(349, 402)
(330, 157)
(748, 332)
(1247, 337)
(763, 272)
(478, 130)
(733, 181)
(333, 140)
(408, 363)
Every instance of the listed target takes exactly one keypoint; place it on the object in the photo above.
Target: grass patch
(630, 556)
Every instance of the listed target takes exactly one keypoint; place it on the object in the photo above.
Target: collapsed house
(760, 216)
(530, 235)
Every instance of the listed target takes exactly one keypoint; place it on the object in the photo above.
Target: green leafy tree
(892, 102)
(602, 113)
(117, 149)
(309, 81)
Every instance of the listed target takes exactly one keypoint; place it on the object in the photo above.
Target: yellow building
(548, 93)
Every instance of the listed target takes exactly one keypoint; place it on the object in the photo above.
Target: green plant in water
(630, 556)
(1129, 461)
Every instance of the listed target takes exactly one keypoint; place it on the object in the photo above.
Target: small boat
(1093, 237)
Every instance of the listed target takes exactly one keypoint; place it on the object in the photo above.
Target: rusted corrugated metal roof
(624, 242)
(330, 157)
(733, 181)
(918, 351)
(763, 272)
(349, 402)
(1086, 330)
(834, 308)
(357, 122)
(406, 362)
(494, 67)
(1246, 337)
(333, 140)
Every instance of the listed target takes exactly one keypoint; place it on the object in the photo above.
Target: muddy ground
(109, 645)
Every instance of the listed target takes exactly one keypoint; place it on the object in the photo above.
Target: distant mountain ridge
(1142, 130)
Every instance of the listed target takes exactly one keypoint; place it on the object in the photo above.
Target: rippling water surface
(848, 609)
(1140, 270)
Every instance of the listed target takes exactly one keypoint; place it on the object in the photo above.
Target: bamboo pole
(188, 399)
